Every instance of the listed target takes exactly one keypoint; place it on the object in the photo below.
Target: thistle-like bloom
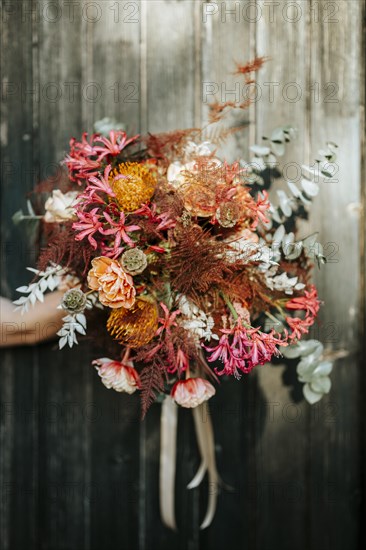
(242, 348)
(89, 223)
(120, 376)
(113, 146)
(119, 229)
(192, 392)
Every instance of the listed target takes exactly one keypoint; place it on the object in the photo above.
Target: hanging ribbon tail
(206, 445)
(198, 477)
(168, 451)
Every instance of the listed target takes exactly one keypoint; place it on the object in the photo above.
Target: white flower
(282, 282)
(60, 206)
(198, 149)
(264, 256)
(174, 174)
(192, 150)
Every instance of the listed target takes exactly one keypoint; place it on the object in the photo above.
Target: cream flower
(192, 392)
(114, 285)
(60, 206)
(121, 377)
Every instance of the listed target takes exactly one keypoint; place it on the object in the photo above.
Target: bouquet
(195, 273)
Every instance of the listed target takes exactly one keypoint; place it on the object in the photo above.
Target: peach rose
(114, 285)
(122, 377)
(192, 392)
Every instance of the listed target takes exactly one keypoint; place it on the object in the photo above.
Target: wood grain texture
(333, 436)
(77, 468)
(283, 86)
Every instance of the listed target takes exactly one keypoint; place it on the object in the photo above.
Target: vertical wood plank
(18, 369)
(227, 38)
(334, 438)
(362, 327)
(282, 35)
(115, 70)
(65, 398)
(168, 42)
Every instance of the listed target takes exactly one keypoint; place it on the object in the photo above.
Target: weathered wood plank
(65, 379)
(227, 38)
(18, 369)
(115, 70)
(334, 436)
(169, 91)
(283, 88)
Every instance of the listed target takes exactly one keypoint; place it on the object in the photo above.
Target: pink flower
(111, 252)
(163, 220)
(89, 223)
(299, 326)
(78, 161)
(260, 208)
(158, 249)
(242, 348)
(122, 377)
(100, 184)
(168, 320)
(83, 147)
(180, 363)
(309, 302)
(192, 392)
(119, 229)
(113, 146)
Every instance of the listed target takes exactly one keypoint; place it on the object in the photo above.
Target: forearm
(40, 323)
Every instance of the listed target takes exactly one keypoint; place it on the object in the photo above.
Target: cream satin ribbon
(168, 452)
(168, 449)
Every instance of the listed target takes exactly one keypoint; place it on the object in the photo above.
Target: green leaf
(17, 217)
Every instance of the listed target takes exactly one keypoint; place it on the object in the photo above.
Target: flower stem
(229, 305)
(273, 318)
